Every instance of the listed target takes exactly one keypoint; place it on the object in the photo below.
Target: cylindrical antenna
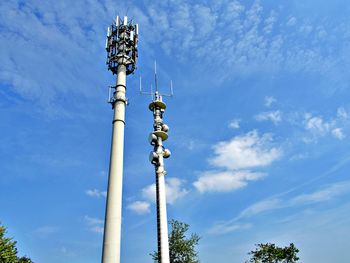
(155, 75)
(117, 21)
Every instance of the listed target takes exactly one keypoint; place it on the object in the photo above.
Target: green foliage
(181, 248)
(8, 250)
(25, 260)
(270, 253)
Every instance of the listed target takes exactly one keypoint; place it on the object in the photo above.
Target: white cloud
(93, 221)
(269, 100)
(319, 127)
(174, 190)
(246, 151)
(222, 228)
(342, 113)
(234, 158)
(149, 192)
(45, 231)
(95, 224)
(269, 205)
(291, 21)
(234, 124)
(322, 195)
(262, 206)
(316, 124)
(139, 207)
(338, 133)
(300, 156)
(96, 193)
(270, 22)
(97, 229)
(274, 116)
(225, 181)
(242, 37)
(37, 30)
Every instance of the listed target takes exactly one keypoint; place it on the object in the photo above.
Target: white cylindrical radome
(113, 218)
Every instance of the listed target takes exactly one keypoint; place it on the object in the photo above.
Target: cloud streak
(325, 194)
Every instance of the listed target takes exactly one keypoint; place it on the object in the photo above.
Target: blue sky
(259, 126)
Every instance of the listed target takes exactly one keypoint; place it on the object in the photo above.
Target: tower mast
(121, 47)
(157, 156)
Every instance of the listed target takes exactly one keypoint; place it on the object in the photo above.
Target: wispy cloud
(324, 194)
(269, 100)
(246, 38)
(95, 224)
(262, 206)
(140, 207)
(174, 190)
(32, 31)
(45, 231)
(234, 158)
(274, 116)
(342, 113)
(224, 229)
(338, 133)
(225, 181)
(234, 124)
(96, 193)
(319, 127)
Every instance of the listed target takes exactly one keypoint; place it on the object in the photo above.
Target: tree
(181, 248)
(8, 250)
(270, 253)
(25, 260)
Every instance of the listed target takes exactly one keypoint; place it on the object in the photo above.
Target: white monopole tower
(121, 46)
(157, 156)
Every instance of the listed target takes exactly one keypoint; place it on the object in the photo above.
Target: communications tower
(121, 47)
(156, 157)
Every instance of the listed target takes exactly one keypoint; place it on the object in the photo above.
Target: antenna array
(153, 94)
(121, 45)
